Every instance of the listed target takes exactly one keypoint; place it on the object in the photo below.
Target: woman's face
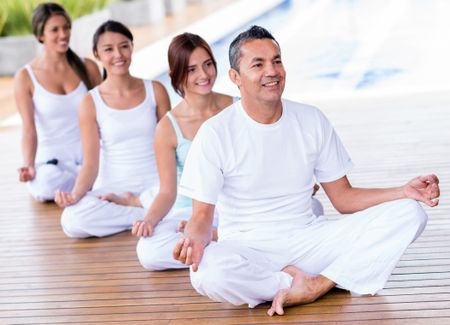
(114, 51)
(201, 73)
(56, 34)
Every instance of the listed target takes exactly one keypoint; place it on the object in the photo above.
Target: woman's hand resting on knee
(26, 173)
(142, 228)
(64, 199)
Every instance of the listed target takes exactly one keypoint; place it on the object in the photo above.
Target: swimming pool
(346, 47)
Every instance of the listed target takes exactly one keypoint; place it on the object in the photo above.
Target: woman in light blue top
(193, 73)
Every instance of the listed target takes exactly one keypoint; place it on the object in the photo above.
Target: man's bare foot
(305, 288)
(127, 199)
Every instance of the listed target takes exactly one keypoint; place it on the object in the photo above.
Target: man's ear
(235, 77)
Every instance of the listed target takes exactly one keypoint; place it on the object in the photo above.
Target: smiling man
(257, 162)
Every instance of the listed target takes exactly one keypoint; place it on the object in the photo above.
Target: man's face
(261, 76)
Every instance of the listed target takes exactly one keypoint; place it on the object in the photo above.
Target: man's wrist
(400, 192)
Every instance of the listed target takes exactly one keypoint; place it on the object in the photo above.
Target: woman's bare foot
(127, 199)
(182, 226)
(305, 288)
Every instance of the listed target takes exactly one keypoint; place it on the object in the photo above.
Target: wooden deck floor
(46, 278)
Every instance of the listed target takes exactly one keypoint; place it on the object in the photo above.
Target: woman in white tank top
(117, 123)
(48, 91)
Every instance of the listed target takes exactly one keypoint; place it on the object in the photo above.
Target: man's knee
(215, 274)
(408, 215)
(416, 215)
(414, 212)
(209, 280)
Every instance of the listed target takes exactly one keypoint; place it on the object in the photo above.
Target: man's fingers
(435, 190)
(179, 252)
(433, 203)
(189, 260)
(184, 251)
(429, 178)
(177, 249)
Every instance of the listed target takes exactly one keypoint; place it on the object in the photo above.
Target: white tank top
(56, 120)
(127, 158)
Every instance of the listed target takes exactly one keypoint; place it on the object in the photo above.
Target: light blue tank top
(183, 146)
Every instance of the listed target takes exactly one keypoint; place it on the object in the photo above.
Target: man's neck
(263, 112)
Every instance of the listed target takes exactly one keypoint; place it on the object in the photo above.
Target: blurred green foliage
(15, 15)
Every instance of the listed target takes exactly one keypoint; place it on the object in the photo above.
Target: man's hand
(189, 252)
(64, 199)
(424, 189)
(26, 173)
(142, 228)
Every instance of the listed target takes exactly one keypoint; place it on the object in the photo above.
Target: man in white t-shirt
(257, 162)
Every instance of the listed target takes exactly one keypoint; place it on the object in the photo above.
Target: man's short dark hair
(254, 32)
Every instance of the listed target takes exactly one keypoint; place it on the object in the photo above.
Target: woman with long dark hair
(48, 91)
(117, 121)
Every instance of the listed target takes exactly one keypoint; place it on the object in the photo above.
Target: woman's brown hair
(41, 15)
(180, 50)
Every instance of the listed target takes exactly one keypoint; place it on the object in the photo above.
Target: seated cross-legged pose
(193, 72)
(257, 161)
(48, 92)
(117, 122)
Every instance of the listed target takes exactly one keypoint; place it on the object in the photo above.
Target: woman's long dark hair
(40, 16)
(113, 27)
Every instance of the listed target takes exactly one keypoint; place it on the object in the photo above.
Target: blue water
(351, 46)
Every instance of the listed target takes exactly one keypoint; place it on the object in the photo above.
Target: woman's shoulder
(22, 78)
(87, 108)
(22, 74)
(158, 87)
(223, 101)
(93, 71)
(165, 132)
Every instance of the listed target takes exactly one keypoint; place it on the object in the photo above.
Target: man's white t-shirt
(260, 176)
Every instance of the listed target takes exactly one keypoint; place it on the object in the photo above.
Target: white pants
(94, 217)
(50, 178)
(155, 252)
(358, 252)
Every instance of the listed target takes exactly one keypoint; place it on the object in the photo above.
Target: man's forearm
(357, 199)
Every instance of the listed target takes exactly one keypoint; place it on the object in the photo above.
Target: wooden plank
(46, 278)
